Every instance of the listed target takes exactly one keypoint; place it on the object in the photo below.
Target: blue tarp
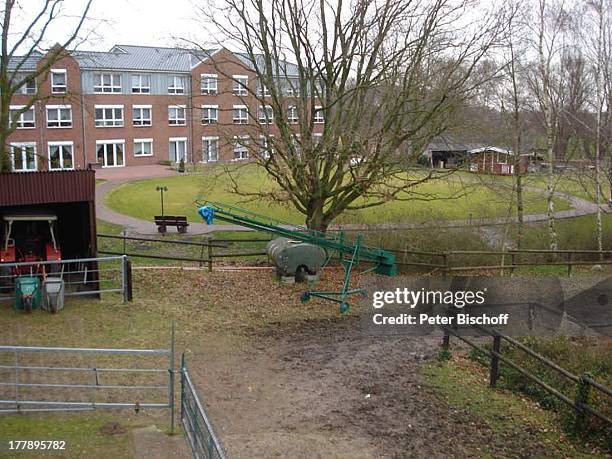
(207, 213)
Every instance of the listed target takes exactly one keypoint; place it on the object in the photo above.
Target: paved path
(118, 176)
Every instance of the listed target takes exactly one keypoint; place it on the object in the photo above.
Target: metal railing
(196, 423)
(82, 276)
(66, 380)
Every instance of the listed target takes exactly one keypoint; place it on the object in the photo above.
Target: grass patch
(139, 199)
(83, 433)
(463, 385)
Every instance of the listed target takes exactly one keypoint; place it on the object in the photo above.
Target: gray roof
(129, 57)
(30, 63)
(150, 58)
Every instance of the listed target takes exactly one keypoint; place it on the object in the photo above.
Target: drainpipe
(83, 124)
(190, 141)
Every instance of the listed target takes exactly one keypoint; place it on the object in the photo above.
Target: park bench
(163, 221)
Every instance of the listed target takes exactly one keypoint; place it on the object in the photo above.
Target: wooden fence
(446, 262)
(584, 383)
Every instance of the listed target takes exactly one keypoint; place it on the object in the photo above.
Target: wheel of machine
(344, 307)
(27, 303)
(161, 229)
(182, 229)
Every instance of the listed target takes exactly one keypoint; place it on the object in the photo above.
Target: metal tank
(295, 258)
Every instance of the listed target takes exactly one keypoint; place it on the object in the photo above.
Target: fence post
(124, 279)
(210, 257)
(494, 374)
(124, 234)
(569, 264)
(129, 284)
(513, 261)
(582, 398)
(171, 380)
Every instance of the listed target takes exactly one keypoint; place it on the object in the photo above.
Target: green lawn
(469, 198)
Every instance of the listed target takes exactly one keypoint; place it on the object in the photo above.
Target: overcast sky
(142, 22)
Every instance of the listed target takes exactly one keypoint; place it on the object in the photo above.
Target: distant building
(136, 105)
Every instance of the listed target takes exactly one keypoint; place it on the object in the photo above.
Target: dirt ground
(327, 390)
(281, 378)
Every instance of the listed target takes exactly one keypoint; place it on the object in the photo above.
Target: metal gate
(82, 276)
(198, 428)
(36, 378)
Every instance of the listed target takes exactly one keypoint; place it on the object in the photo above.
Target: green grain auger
(350, 253)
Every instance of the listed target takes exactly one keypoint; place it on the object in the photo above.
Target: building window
(111, 153)
(210, 149)
(59, 116)
(24, 120)
(292, 89)
(141, 115)
(241, 83)
(58, 81)
(178, 149)
(208, 83)
(109, 115)
(318, 115)
(265, 146)
(263, 90)
(107, 82)
(210, 114)
(29, 87)
(141, 84)
(241, 150)
(61, 155)
(265, 114)
(23, 156)
(143, 147)
(317, 138)
(241, 114)
(292, 114)
(176, 115)
(177, 85)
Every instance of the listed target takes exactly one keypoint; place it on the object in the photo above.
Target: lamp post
(161, 190)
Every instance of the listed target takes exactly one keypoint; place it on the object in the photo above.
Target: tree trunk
(550, 186)
(315, 217)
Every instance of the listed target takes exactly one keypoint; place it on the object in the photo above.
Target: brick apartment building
(137, 105)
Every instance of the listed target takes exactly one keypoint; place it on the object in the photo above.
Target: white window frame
(210, 120)
(210, 89)
(20, 124)
(177, 121)
(61, 155)
(264, 148)
(143, 121)
(59, 88)
(318, 117)
(141, 88)
(238, 109)
(293, 119)
(25, 89)
(240, 85)
(177, 139)
(241, 144)
(263, 111)
(22, 146)
(263, 90)
(205, 156)
(143, 141)
(177, 89)
(109, 122)
(113, 87)
(59, 121)
(113, 142)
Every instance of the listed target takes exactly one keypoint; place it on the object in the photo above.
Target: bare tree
(19, 46)
(547, 85)
(385, 77)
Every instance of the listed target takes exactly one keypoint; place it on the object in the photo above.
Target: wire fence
(195, 420)
(83, 276)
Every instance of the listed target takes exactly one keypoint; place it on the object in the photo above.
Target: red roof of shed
(26, 188)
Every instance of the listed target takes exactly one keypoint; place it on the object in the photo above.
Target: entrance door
(111, 154)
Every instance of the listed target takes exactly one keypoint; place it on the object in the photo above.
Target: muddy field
(281, 378)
